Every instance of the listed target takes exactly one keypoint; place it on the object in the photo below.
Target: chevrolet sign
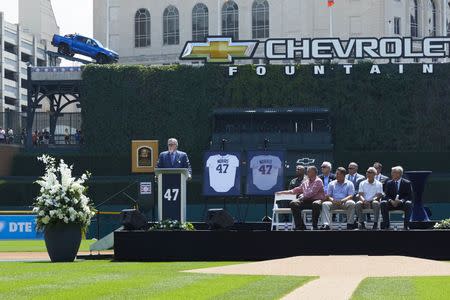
(219, 50)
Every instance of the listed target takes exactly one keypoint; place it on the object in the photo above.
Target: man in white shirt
(10, 136)
(2, 135)
(370, 193)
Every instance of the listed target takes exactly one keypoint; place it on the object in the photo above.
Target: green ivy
(388, 112)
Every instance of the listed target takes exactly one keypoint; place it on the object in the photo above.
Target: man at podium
(173, 158)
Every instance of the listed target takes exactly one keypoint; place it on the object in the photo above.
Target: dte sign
(20, 227)
(13, 227)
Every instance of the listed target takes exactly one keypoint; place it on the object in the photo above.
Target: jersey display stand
(172, 193)
(265, 174)
(222, 175)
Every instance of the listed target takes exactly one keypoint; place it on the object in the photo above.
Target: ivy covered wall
(370, 112)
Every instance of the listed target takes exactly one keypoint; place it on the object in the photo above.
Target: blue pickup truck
(72, 44)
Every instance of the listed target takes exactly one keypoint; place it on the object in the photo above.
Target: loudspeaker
(218, 218)
(132, 219)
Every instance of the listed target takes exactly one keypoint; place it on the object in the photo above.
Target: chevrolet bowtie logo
(305, 161)
(219, 50)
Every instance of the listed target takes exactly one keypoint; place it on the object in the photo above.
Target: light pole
(107, 24)
(218, 16)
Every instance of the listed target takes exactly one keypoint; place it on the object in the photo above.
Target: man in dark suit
(326, 175)
(380, 177)
(398, 196)
(173, 158)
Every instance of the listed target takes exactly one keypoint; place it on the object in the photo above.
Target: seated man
(339, 196)
(398, 196)
(380, 177)
(354, 176)
(311, 198)
(370, 193)
(299, 179)
(326, 175)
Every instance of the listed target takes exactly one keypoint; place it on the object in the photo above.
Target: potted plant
(172, 225)
(444, 224)
(63, 210)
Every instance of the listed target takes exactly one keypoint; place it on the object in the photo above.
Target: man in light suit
(173, 158)
(326, 175)
(354, 176)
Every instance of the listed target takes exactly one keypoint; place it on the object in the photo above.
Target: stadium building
(154, 32)
(23, 44)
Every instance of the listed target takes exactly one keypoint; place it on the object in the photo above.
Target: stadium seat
(281, 207)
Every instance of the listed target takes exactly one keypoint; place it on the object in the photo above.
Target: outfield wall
(390, 117)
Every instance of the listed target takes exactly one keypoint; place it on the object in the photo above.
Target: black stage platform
(203, 245)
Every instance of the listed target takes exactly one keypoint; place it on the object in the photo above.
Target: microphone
(266, 142)
(223, 144)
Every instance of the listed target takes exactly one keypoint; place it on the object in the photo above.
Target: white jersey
(222, 172)
(265, 170)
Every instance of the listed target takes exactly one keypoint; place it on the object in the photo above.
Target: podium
(172, 193)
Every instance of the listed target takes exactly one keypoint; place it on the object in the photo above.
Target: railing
(68, 123)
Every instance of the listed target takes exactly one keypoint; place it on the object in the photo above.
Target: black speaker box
(219, 219)
(132, 219)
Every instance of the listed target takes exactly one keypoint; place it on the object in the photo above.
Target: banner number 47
(171, 194)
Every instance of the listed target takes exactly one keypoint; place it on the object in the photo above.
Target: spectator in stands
(40, 138)
(398, 196)
(339, 196)
(370, 194)
(299, 179)
(311, 196)
(2, 136)
(380, 177)
(326, 175)
(66, 137)
(46, 135)
(77, 137)
(34, 138)
(354, 176)
(10, 136)
(81, 138)
(23, 136)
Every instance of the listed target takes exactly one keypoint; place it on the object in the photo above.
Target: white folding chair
(395, 223)
(307, 217)
(338, 224)
(277, 211)
(369, 211)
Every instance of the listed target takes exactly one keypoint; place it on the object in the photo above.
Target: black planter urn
(62, 241)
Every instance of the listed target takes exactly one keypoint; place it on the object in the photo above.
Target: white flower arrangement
(172, 225)
(62, 198)
(444, 224)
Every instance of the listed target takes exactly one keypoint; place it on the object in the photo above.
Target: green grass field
(404, 288)
(105, 279)
(113, 280)
(33, 245)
